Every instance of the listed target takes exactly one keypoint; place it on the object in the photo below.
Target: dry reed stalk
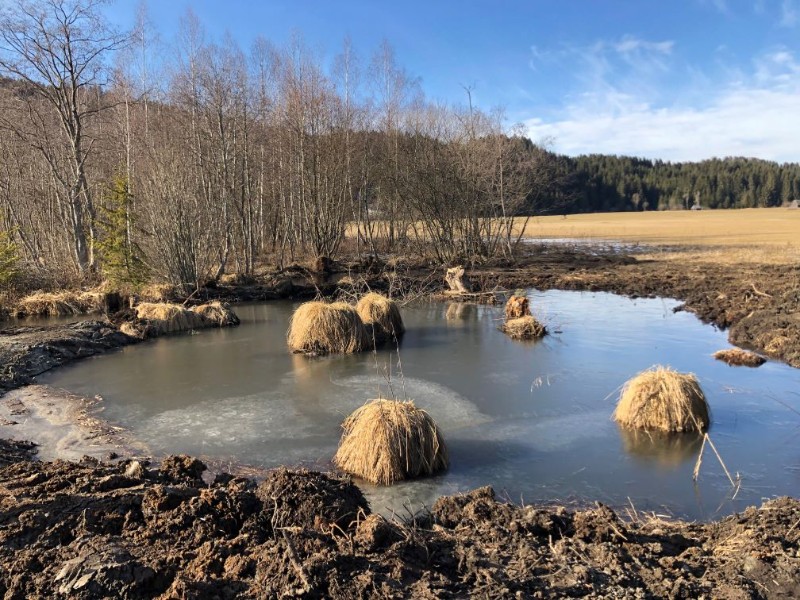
(662, 399)
(736, 357)
(524, 328)
(382, 312)
(169, 318)
(323, 328)
(516, 307)
(388, 440)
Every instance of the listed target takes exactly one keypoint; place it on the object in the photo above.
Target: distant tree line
(601, 183)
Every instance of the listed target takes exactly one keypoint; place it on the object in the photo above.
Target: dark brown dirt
(92, 530)
(28, 351)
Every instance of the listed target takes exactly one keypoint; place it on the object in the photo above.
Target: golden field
(752, 234)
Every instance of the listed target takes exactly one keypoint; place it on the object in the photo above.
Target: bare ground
(92, 530)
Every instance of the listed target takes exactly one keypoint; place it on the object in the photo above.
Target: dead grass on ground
(324, 328)
(388, 440)
(736, 357)
(661, 399)
(60, 304)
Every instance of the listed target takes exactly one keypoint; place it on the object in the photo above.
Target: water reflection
(665, 450)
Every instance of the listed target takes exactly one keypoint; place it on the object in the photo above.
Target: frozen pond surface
(530, 419)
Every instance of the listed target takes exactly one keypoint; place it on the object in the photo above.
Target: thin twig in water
(696, 472)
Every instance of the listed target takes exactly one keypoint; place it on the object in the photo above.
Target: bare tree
(58, 48)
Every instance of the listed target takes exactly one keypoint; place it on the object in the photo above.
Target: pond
(530, 419)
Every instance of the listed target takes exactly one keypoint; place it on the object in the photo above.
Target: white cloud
(756, 115)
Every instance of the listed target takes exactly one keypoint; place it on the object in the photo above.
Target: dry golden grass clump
(60, 304)
(324, 328)
(387, 440)
(169, 318)
(737, 357)
(524, 328)
(381, 312)
(158, 292)
(217, 314)
(661, 399)
(516, 307)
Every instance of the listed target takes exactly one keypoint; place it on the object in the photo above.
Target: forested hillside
(621, 183)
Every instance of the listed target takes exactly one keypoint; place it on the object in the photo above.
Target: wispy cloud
(790, 15)
(752, 114)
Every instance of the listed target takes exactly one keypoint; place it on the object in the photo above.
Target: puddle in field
(530, 419)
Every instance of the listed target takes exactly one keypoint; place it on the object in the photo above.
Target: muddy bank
(29, 351)
(93, 530)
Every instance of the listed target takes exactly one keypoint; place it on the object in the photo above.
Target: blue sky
(678, 80)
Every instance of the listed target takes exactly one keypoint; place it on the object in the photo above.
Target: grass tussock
(217, 314)
(164, 317)
(326, 328)
(381, 312)
(736, 357)
(516, 307)
(60, 304)
(524, 328)
(387, 440)
(661, 399)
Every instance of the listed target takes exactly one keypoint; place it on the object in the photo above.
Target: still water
(530, 419)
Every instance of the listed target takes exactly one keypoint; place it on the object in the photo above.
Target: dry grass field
(753, 235)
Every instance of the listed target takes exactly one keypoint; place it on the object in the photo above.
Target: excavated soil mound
(92, 530)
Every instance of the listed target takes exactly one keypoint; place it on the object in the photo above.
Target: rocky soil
(93, 530)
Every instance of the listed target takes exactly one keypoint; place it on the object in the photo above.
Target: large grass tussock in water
(387, 440)
(323, 328)
(661, 399)
(164, 317)
(381, 312)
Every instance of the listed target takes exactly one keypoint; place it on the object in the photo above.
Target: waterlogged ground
(532, 420)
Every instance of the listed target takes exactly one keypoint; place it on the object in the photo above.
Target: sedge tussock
(388, 440)
(217, 314)
(381, 312)
(169, 318)
(324, 328)
(661, 399)
(524, 328)
(736, 357)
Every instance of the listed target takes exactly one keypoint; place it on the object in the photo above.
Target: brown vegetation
(737, 357)
(388, 440)
(524, 328)
(516, 307)
(217, 314)
(324, 328)
(662, 399)
(60, 304)
(381, 312)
